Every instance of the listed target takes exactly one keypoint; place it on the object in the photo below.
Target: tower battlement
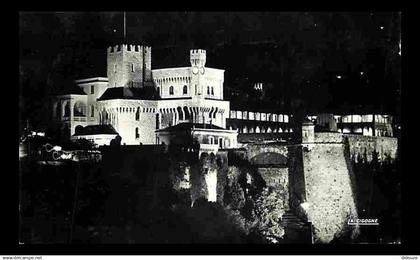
(197, 51)
(129, 48)
(198, 57)
(129, 65)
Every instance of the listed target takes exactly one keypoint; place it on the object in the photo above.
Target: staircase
(296, 229)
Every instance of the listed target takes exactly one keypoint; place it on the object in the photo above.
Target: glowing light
(305, 206)
(338, 76)
(381, 27)
(211, 181)
(115, 30)
(400, 48)
(361, 73)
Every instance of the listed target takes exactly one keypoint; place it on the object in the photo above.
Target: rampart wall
(364, 147)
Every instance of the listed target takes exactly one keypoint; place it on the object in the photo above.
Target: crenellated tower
(129, 65)
(198, 62)
(198, 58)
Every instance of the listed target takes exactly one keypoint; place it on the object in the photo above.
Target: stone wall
(330, 200)
(256, 149)
(261, 137)
(326, 137)
(297, 185)
(366, 146)
(128, 65)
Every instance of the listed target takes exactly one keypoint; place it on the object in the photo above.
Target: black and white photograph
(196, 127)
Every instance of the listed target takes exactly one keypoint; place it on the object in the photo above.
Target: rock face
(329, 197)
(208, 177)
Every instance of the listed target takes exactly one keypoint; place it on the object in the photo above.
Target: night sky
(310, 62)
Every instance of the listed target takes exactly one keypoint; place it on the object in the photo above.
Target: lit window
(185, 90)
(92, 111)
(212, 91)
(208, 90)
(137, 133)
(115, 68)
(132, 67)
(92, 89)
(171, 90)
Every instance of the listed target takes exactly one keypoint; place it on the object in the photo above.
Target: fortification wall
(326, 137)
(329, 194)
(255, 138)
(365, 146)
(256, 149)
(297, 192)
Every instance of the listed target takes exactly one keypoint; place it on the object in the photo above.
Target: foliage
(235, 196)
(269, 207)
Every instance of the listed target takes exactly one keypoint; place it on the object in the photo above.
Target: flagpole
(124, 26)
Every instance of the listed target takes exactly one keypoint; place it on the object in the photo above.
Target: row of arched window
(184, 90)
(262, 129)
(79, 109)
(210, 90)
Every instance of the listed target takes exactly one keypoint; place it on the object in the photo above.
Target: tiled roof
(71, 89)
(128, 93)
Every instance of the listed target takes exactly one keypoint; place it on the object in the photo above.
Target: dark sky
(311, 61)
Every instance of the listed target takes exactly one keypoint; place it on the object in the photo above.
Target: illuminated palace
(146, 106)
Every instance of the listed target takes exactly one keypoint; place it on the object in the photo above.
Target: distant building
(258, 86)
(210, 137)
